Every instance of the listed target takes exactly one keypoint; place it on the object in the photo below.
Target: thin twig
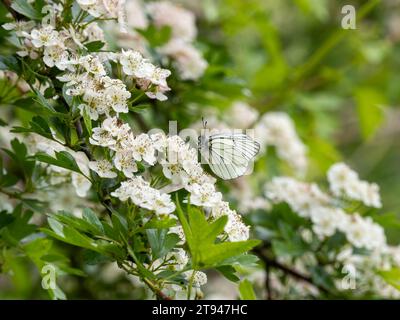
(292, 272)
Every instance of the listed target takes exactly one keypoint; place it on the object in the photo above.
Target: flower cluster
(103, 98)
(277, 129)
(179, 48)
(328, 214)
(144, 196)
(327, 217)
(148, 77)
(345, 182)
(179, 162)
(105, 9)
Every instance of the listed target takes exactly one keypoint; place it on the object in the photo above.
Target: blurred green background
(341, 88)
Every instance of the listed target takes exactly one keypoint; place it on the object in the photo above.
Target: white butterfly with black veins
(228, 155)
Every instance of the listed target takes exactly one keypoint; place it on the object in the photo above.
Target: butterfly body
(228, 155)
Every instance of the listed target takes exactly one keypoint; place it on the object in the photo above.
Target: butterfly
(228, 154)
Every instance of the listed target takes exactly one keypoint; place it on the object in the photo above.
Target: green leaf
(43, 101)
(5, 219)
(70, 235)
(9, 63)
(370, 108)
(94, 46)
(63, 159)
(19, 228)
(157, 223)
(161, 242)
(245, 260)
(391, 276)
(156, 36)
(26, 9)
(92, 257)
(201, 237)
(87, 223)
(120, 225)
(288, 248)
(246, 290)
(228, 272)
(38, 125)
(91, 217)
(87, 121)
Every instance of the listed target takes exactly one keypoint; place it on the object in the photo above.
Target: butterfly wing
(229, 154)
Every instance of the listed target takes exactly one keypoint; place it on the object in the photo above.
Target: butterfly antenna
(204, 122)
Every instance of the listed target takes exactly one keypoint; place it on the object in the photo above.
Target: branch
(269, 262)
(17, 16)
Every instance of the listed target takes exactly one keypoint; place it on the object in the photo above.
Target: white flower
(241, 115)
(124, 192)
(95, 8)
(340, 176)
(187, 59)
(94, 106)
(326, 220)
(136, 17)
(205, 195)
(56, 56)
(144, 196)
(143, 148)
(86, 2)
(92, 65)
(345, 181)
(277, 129)
(125, 162)
(173, 171)
(133, 64)
(199, 277)
(101, 137)
(81, 184)
(180, 257)
(236, 229)
(21, 27)
(116, 127)
(93, 32)
(363, 232)
(103, 168)
(158, 76)
(81, 160)
(45, 36)
(117, 96)
(221, 209)
(159, 141)
(181, 21)
(300, 196)
(163, 205)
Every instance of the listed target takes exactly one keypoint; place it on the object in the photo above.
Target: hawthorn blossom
(103, 168)
(133, 64)
(344, 181)
(181, 21)
(142, 148)
(277, 129)
(44, 37)
(125, 162)
(56, 56)
(186, 58)
(199, 277)
(101, 137)
(236, 229)
(205, 195)
(81, 183)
